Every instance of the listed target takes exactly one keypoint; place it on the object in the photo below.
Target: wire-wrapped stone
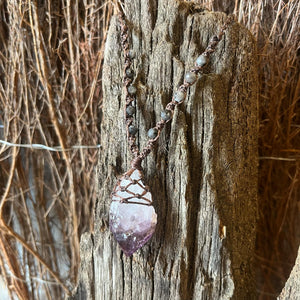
(132, 218)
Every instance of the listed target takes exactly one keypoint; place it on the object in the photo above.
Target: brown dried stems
(50, 70)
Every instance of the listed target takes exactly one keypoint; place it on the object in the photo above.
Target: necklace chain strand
(130, 97)
(132, 217)
(127, 80)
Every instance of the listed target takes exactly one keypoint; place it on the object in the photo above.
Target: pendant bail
(136, 163)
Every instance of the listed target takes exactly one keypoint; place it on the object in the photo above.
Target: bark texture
(203, 173)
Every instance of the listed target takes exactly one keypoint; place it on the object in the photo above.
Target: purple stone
(132, 218)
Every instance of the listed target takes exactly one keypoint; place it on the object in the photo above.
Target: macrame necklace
(132, 218)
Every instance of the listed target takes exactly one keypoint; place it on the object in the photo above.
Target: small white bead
(179, 96)
(201, 60)
(190, 77)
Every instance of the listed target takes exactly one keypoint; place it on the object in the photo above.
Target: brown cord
(129, 199)
(127, 81)
(140, 156)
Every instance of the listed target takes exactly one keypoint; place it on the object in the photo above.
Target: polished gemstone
(132, 218)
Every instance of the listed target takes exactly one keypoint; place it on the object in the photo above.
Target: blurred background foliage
(51, 54)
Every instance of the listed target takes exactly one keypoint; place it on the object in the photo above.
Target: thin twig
(277, 158)
(7, 229)
(54, 148)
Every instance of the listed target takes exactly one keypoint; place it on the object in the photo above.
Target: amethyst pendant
(132, 218)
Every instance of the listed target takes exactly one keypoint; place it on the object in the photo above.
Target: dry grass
(50, 64)
(50, 94)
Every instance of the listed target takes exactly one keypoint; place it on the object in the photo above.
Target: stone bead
(131, 89)
(190, 77)
(166, 115)
(130, 110)
(179, 96)
(132, 130)
(131, 54)
(129, 72)
(152, 133)
(201, 61)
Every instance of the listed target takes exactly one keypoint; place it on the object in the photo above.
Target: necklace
(132, 218)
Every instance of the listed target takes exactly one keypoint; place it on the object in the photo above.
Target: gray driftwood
(291, 289)
(203, 174)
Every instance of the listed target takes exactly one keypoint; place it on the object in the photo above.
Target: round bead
(130, 110)
(166, 115)
(129, 72)
(131, 54)
(179, 96)
(152, 133)
(132, 129)
(131, 89)
(201, 60)
(190, 77)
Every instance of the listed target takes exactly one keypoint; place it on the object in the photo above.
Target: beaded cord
(180, 95)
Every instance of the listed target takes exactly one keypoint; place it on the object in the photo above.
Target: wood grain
(203, 174)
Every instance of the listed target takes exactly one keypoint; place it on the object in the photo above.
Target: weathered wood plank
(291, 289)
(203, 174)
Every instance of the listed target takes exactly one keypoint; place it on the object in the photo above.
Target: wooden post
(291, 288)
(203, 174)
